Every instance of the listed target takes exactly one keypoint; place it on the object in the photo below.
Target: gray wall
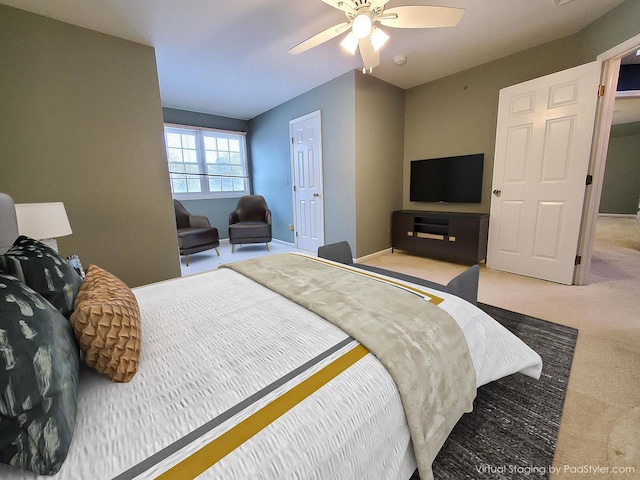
(215, 209)
(379, 127)
(82, 124)
(457, 114)
(269, 144)
(621, 187)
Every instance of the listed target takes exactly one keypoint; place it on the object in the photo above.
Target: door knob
(316, 194)
(497, 192)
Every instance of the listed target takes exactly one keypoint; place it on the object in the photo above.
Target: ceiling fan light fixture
(361, 26)
(363, 18)
(378, 38)
(350, 43)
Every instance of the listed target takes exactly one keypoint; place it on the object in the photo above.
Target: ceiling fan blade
(344, 5)
(370, 57)
(377, 4)
(319, 38)
(422, 17)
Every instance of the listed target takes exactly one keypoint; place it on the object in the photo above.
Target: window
(206, 163)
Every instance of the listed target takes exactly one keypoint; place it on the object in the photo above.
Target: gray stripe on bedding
(223, 417)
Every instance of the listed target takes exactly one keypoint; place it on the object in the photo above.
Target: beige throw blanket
(419, 344)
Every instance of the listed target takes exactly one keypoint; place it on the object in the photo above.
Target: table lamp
(43, 222)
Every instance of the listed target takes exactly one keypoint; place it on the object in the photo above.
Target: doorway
(602, 131)
(306, 166)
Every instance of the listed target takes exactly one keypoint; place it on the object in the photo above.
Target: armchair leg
(217, 251)
(186, 259)
(268, 247)
(233, 247)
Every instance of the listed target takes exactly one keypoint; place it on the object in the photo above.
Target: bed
(264, 369)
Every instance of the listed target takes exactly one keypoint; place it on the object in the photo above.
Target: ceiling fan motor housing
(360, 6)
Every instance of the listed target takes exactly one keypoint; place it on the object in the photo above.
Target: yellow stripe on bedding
(432, 298)
(217, 449)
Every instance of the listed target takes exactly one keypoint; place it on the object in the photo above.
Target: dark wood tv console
(455, 237)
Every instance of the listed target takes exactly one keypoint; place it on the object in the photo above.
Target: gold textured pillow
(106, 322)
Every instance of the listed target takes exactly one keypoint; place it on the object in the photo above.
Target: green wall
(457, 115)
(379, 131)
(82, 124)
(270, 144)
(621, 187)
(215, 209)
(610, 30)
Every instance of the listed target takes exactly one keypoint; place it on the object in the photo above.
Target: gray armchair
(250, 222)
(195, 234)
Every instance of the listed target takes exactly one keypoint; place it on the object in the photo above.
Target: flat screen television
(448, 180)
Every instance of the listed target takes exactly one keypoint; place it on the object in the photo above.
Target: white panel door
(306, 141)
(543, 143)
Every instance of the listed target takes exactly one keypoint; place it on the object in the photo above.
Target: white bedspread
(211, 340)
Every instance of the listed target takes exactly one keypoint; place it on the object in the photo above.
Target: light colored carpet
(601, 419)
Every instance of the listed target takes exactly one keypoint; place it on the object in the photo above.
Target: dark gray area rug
(511, 433)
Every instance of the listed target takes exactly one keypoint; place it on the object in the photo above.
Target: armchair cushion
(189, 238)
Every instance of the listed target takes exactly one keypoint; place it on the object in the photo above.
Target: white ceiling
(230, 57)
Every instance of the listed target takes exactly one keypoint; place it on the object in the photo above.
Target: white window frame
(202, 173)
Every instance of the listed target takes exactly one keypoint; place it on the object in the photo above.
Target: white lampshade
(378, 38)
(42, 220)
(350, 43)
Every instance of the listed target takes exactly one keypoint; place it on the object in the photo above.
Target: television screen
(448, 180)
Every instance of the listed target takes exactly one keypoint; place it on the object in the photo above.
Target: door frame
(318, 114)
(599, 147)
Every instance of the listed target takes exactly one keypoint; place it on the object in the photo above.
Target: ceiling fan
(362, 17)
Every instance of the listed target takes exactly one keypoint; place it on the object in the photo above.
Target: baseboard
(274, 240)
(282, 242)
(373, 255)
(618, 215)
